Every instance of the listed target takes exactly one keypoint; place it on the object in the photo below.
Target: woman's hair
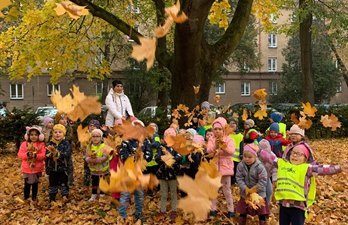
(116, 82)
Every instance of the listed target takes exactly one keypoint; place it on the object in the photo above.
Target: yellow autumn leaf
(309, 110)
(196, 89)
(330, 121)
(104, 185)
(146, 50)
(260, 94)
(83, 134)
(260, 114)
(161, 31)
(73, 10)
(304, 123)
(173, 12)
(217, 98)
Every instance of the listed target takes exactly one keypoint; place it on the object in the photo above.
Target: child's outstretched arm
(324, 170)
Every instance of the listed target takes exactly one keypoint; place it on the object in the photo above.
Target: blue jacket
(164, 172)
(61, 165)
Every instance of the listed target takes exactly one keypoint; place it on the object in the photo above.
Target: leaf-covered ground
(331, 206)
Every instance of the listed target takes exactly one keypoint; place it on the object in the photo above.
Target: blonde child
(97, 160)
(295, 190)
(222, 147)
(48, 124)
(58, 155)
(251, 173)
(32, 154)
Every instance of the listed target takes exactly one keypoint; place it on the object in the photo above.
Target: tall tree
(326, 76)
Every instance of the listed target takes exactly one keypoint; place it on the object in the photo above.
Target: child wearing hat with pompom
(32, 154)
(276, 139)
(251, 173)
(222, 147)
(58, 155)
(295, 190)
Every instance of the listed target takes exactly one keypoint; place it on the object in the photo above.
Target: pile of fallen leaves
(331, 205)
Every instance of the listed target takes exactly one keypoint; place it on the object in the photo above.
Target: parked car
(46, 111)
(151, 111)
(3, 112)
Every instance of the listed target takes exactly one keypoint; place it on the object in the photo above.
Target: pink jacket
(225, 163)
(40, 157)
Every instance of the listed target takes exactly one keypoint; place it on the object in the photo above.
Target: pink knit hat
(198, 139)
(295, 129)
(219, 122)
(170, 131)
(252, 148)
(303, 148)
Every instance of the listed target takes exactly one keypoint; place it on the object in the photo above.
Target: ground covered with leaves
(331, 205)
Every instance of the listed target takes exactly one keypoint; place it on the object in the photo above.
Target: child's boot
(242, 220)
(93, 198)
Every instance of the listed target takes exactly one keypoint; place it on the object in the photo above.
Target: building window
(51, 88)
(99, 88)
(272, 40)
(339, 87)
(272, 64)
(245, 88)
(220, 88)
(273, 87)
(17, 91)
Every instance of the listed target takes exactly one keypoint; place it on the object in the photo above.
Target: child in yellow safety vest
(237, 137)
(98, 161)
(295, 190)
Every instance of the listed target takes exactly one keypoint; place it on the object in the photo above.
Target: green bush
(12, 126)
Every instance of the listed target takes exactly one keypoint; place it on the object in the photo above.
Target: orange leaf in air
(217, 98)
(146, 50)
(167, 158)
(263, 105)
(128, 131)
(235, 115)
(200, 192)
(196, 89)
(173, 12)
(83, 134)
(330, 121)
(161, 31)
(179, 144)
(309, 110)
(304, 123)
(253, 199)
(113, 141)
(294, 118)
(260, 94)
(183, 108)
(4, 4)
(245, 115)
(73, 10)
(260, 114)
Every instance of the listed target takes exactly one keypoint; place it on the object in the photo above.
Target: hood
(287, 152)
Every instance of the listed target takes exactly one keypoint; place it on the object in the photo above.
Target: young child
(294, 200)
(276, 117)
(167, 176)
(250, 134)
(237, 137)
(58, 154)
(97, 160)
(48, 124)
(208, 134)
(251, 173)
(152, 166)
(128, 148)
(32, 154)
(276, 140)
(222, 146)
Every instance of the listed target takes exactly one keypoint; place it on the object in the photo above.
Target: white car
(150, 111)
(46, 111)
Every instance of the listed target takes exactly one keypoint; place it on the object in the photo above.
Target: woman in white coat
(118, 104)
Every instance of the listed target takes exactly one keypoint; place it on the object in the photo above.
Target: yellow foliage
(4, 4)
(218, 13)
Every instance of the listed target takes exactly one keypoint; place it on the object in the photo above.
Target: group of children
(242, 158)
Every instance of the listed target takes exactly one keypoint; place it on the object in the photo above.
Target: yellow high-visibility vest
(237, 138)
(100, 167)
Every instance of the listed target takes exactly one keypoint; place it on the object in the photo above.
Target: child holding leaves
(58, 155)
(222, 147)
(32, 154)
(251, 174)
(295, 190)
(167, 172)
(97, 160)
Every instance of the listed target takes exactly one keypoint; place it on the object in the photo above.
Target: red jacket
(40, 157)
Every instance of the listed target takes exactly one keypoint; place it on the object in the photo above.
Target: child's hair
(34, 128)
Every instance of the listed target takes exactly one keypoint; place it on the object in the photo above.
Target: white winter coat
(117, 104)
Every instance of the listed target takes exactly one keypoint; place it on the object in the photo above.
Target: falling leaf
(294, 118)
(330, 121)
(210, 167)
(217, 98)
(196, 89)
(253, 199)
(113, 141)
(146, 50)
(173, 12)
(309, 110)
(260, 114)
(305, 123)
(235, 115)
(128, 131)
(245, 115)
(104, 185)
(83, 134)
(4, 4)
(260, 94)
(263, 104)
(161, 31)
(179, 143)
(73, 10)
(167, 158)
(19, 200)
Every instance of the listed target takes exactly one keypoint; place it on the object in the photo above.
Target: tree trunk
(340, 62)
(306, 54)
